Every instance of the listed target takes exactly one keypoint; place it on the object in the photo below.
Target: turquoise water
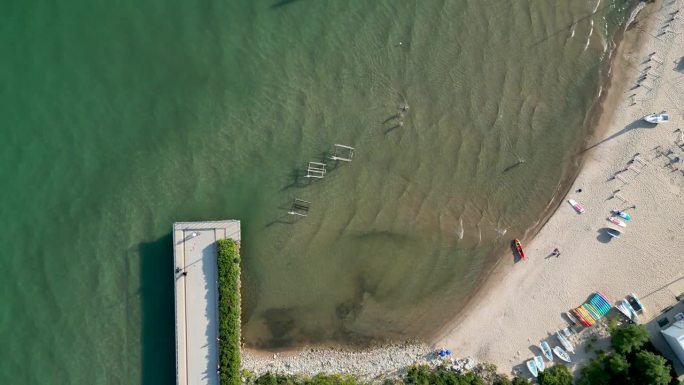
(121, 118)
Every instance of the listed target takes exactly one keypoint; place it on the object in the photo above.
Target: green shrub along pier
(229, 311)
(207, 302)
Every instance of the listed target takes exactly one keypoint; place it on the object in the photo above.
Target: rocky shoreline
(372, 364)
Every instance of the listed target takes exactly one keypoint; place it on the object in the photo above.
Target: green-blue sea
(118, 118)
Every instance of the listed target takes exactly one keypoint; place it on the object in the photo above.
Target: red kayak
(518, 247)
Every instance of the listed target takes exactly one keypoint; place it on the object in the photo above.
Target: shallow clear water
(119, 119)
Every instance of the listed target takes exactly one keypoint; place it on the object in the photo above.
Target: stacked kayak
(593, 310)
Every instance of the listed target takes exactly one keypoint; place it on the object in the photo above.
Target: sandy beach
(629, 165)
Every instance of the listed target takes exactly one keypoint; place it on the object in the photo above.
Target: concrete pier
(196, 295)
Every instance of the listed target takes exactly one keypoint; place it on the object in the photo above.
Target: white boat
(662, 117)
(635, 303)
(571, 318)
(562, 354)
(546, 349)
(564, 341)
(539, 361)
(625, 308)
(532, 367)
(635, 315)
(578, 207)
(617, 221)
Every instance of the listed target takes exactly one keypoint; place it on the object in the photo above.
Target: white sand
(525, 304)
(522, 304)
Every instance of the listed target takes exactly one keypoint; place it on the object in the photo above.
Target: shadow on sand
(158, 346)
(679, 65)
(603, 235)
(640, 123)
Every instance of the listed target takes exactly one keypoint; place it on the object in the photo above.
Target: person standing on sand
(556, 252)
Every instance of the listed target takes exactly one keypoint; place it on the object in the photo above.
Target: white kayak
(564, 341)
(539, 361)
(560, 353)
(617, 221)
(532, 367)
(578, 207)
(546, 349)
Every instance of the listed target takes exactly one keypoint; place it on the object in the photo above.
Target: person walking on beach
(556, 252)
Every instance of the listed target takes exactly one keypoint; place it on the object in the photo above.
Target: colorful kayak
(560, 353)
(621, 214)
(617, 221)
(603, 297)
(539, 361)
(584, 318)
(546, 349)
(532, 367)
(601, 304)
(592, 310)
(518, 248)
(578, 207)
(587, 319)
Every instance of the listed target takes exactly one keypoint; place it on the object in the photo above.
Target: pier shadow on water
(158, 359)
(298, 179)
